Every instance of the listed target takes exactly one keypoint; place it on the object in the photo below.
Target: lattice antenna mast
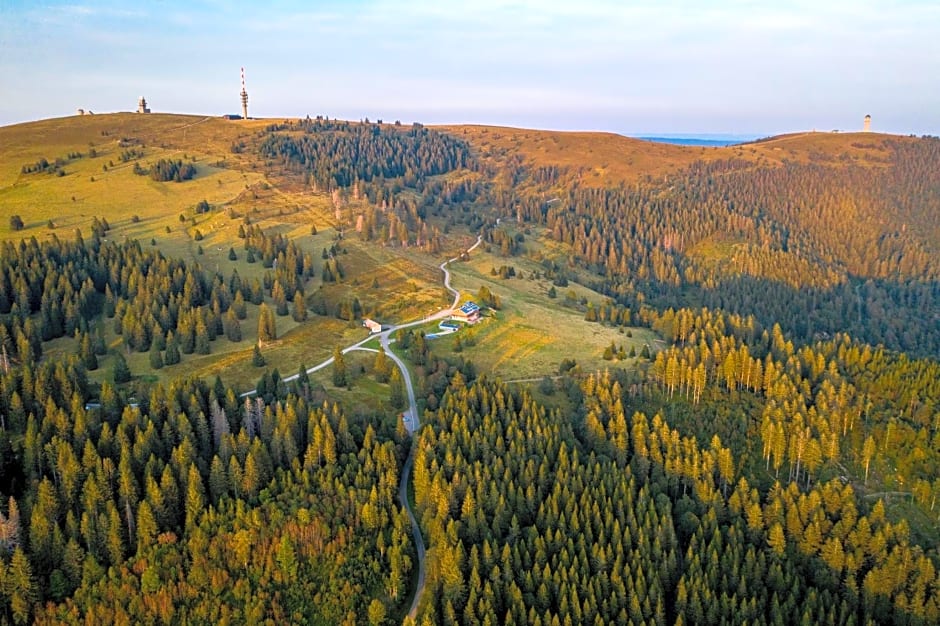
(244, 95)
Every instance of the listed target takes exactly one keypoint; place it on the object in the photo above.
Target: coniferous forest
(774, 460)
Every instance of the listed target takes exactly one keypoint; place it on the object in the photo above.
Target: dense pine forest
(337, 154)
(773, 458)
(609, 516)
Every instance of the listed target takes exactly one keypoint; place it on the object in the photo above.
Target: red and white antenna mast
(244, 95)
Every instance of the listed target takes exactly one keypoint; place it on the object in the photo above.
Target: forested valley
(775, 459)
(818, 247)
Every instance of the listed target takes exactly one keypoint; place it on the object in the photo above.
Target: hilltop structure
(142, 105)
(867, 125)
(244, 95)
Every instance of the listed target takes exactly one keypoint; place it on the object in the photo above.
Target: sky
(723, 67)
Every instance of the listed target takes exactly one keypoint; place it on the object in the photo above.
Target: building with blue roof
(469, 313)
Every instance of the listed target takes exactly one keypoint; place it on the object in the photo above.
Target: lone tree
(339, 368)
(266, 325)
(122, 373)
(16, 222)
(299, 312)
(257, 359)
(156, 358)
(396, 389)
(381, 366)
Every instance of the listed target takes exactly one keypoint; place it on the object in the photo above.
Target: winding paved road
(411, 417)
(386, 334)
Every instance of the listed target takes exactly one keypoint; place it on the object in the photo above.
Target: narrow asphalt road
(386, 334)
(411, 417)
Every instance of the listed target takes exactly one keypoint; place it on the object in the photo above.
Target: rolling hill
(705, 386)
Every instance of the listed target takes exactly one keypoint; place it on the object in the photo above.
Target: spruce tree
(266, 324)
(300, 307)
(233, 330)
(381, 366)
(172, 354)
(122, 373)
(238, 305)
(280, 299)
(339, 368)
(396, 389)
(156, 359)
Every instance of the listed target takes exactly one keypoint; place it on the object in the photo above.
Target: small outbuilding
(374, 327)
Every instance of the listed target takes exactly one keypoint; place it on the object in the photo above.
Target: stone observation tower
(867, 126)
(142, 105)
(244, 95)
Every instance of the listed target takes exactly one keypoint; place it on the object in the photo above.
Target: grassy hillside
(94, 179)
(606, 159)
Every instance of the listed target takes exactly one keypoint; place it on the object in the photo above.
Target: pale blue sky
(677, 66)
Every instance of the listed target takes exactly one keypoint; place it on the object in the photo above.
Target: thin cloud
(525, 59)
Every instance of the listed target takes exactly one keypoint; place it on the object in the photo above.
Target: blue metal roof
(469, 308)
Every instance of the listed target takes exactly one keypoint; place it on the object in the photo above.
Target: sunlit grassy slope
(603, 159)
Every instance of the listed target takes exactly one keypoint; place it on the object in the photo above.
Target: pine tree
(202, 338)
(172, 354)
(186, 334)
(381, 366)
(233, 330)
(239, 306)
(195, 497)
(396, 389)
(299, 312)
(20, 587)
(257, 359)
(218, 480)
(339, 368)
(121, 371)
(156, 358)
(88, 354)
(266, 325)
(279, 298)
(146, 527)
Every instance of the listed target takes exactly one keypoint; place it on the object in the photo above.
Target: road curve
(412, 419)
(385, 334)
(447, 272)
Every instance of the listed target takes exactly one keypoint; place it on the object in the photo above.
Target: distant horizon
(726, 138)
(643, 67)
(697, 137)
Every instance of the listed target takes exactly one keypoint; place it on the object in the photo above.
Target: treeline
(539, 517)
(190, 504)
(819, 248)
(337, 154)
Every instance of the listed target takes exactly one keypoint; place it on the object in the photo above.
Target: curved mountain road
(411, 417)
